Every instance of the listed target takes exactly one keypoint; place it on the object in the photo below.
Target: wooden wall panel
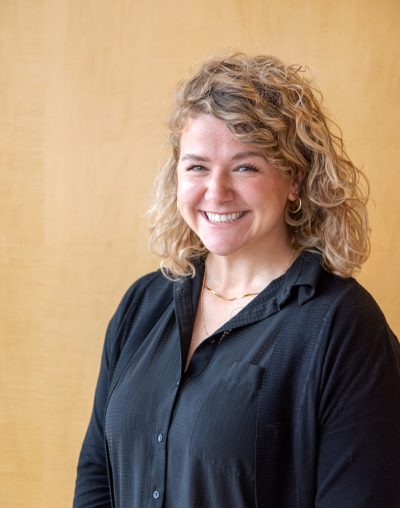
(85, 92)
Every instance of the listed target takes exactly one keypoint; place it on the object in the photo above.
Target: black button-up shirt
(293, 403)
(188, 440)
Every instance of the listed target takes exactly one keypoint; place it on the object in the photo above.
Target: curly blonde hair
(266, 103)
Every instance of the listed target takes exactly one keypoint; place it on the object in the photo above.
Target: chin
(221, 250)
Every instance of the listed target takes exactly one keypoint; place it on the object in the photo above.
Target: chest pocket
(225, 428)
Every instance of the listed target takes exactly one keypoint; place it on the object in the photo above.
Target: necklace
(229, 299)
(244, 295)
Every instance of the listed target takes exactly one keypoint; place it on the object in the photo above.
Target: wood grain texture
(85, 92)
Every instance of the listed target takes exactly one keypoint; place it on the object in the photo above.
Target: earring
(298, 207)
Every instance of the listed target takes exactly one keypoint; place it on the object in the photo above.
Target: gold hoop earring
(298, 207)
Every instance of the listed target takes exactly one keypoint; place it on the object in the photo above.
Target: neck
(233, 275)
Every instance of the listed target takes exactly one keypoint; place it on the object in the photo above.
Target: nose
(219, 188)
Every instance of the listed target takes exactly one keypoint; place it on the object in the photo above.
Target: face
(227, 192)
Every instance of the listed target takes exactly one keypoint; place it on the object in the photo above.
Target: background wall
(85, 93)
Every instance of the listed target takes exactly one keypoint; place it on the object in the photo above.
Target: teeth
(223, 217)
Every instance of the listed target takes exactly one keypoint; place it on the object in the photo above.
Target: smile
(217, 218)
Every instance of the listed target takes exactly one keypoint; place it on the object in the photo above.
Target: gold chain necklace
(245, 295)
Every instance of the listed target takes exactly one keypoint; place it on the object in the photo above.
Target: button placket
(160, 439)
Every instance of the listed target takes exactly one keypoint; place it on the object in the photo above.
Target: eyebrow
(238, 156)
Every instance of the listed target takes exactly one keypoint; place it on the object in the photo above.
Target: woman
(252, 370)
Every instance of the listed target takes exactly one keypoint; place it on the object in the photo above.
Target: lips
(218, 218)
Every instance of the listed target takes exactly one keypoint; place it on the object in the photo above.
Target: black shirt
(294, 402)
(180, 440)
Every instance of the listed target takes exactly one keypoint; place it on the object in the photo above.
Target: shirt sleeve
(359, 414)
(91, 488)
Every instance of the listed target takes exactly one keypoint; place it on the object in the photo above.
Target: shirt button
(177, 383)
(156, 494)
(160, 438)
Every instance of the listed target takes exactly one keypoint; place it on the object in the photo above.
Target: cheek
(187, 192)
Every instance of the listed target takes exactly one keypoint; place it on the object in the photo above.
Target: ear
(295, 186)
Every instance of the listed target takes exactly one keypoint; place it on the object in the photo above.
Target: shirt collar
(302, 276)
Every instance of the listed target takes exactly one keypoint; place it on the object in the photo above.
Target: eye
(196, 168)
(246, 168)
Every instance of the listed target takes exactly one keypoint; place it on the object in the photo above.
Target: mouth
(220, 218)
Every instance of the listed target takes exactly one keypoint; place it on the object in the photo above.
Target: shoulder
(151, 288)
(336, 313)
(343, 342)
(349, 301)
(318, 288)
(145, 297)
(148, 281)
(355, 336)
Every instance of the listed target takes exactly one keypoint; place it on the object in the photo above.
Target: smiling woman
(251, 370)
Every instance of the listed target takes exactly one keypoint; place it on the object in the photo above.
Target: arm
(359, 416)
(92, 489)
(139, 310)
(92, 484)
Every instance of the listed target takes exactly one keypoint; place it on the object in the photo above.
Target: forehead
(205, 134)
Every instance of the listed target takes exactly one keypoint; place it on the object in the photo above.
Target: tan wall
(85, 87)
